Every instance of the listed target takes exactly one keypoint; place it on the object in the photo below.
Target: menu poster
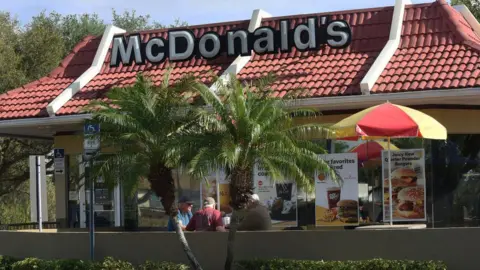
(279, 197)
(337, 204)
(224, 193)
(209, 188)
(408, 185)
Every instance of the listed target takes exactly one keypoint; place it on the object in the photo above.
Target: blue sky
(191, 11)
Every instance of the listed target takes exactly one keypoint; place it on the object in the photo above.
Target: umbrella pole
(390, 182)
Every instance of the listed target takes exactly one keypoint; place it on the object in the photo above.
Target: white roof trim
(436, 97)
(89, 74)
(239, 63)
(387, 52)
(44, 121)
(467, 14)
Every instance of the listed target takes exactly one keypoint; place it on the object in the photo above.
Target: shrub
(9, 263)
(149, 265)
(73, 265)
(110, 263)
(6, 262)
(375, 264)
(33, 264)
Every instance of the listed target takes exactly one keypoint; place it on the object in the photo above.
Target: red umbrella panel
(371, 150)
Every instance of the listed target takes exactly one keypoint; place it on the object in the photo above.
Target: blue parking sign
(91, 140)
(91, 129)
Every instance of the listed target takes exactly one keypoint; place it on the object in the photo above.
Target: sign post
(91, 144)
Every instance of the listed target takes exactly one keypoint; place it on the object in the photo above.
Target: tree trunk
(163, 184)
(186, 248)
(241, 187)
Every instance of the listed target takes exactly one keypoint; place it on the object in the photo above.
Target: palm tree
(141, 124)
(244, 126)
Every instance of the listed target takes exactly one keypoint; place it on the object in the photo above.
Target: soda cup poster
(336, 204)
(408, 185)
(279, 197)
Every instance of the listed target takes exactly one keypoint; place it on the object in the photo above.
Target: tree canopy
(29, 52)
(473, 6)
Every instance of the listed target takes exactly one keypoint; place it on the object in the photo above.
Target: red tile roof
(327, 72)
(438, 49)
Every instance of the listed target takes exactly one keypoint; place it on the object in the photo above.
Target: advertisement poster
(224, 193)
(279, 197)
(209, 188)
(337, 204)
(408, 185)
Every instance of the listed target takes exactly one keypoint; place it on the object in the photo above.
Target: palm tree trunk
(241, 187)
(186, 248)
(163, 184)
(237, 217)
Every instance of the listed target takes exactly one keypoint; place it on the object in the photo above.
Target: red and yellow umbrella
(389, 121)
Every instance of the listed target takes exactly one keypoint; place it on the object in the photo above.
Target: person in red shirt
(207, 219)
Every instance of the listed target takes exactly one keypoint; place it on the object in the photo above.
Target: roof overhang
(42, 128)
(47, 127)
(466, 96)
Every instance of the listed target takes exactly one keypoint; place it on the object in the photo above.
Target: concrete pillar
(34, 175)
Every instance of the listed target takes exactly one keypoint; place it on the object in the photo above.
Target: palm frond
(264, 131)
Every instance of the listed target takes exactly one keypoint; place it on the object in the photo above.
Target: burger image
(401, 178)
(411, 202)
(406, 176)
(348, 211)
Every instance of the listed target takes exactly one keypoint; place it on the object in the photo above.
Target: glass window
(151, 213)
(456, 181)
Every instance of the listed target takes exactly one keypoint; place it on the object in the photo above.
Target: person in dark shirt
(207, 219)
(257, 217)
(184, 213)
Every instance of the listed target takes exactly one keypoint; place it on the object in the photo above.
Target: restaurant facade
(424, 56)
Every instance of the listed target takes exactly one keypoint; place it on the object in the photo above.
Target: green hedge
(8, 263)
(375, 264)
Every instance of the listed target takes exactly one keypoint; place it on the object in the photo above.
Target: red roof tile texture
(327, 72)
(438, 49)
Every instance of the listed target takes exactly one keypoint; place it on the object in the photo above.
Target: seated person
(184, 213)
(257, 217)
(207, 219)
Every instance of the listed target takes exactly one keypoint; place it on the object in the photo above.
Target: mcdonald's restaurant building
(425, 56)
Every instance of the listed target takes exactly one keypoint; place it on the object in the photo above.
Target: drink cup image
(333, 196)
(284, 191)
